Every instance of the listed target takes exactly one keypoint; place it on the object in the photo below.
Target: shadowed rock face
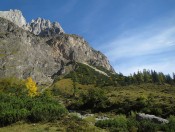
(24, 54)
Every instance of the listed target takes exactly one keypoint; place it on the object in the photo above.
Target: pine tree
(174, 77)
(135, 78)
(155, 77)
(146, 76)
(169, 79)
(121, 79)
(128, 80)
(31, 86)
(139, 77)
(161, 77)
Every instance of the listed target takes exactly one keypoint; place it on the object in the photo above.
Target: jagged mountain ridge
(44, 27)
(24, 53)
(39, 26)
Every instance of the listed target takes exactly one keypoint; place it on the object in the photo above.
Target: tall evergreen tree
(169, 79)
(161, 77)
(139, 77)
(155, 77)
(146, 76)
(174, 77)
(135, 78)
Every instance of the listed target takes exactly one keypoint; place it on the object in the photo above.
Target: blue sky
(133, 34)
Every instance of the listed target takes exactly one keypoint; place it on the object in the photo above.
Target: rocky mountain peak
(14, 16)
(44, 27)
(39, 26)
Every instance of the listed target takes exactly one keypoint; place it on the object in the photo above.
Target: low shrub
(121, 123)
(170, 127)
(46, 110)
(132, 124)
(13, 86)
(148, 126)
(17, 108)
(117, 124)
(95, 100)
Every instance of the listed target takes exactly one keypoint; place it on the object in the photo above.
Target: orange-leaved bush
(31, 86)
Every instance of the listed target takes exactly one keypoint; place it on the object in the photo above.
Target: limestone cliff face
(72, 47)
(24, 53)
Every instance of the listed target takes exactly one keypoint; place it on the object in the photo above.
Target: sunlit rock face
(44, 27)
(14, 16)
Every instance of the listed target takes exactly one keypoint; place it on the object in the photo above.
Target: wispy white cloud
(140, 44)
(150, 47)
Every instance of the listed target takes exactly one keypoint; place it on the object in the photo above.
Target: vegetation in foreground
(25, 106)
(22, 111)
(122, 124)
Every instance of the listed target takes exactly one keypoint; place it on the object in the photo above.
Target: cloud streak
(151, 47)
(137, 44)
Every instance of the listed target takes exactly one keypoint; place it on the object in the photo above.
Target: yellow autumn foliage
(31, 86)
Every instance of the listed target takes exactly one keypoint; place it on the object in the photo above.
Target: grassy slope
(158, 92)
(161, 93)
(67, 85)
(70, 124)
(24, 127)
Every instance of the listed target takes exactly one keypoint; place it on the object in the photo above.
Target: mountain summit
(44, 27)
(14, 16)
(39, 26)
(41, 49)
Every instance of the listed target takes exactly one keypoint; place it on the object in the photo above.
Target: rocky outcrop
(24, 53)
(142, 116)
(39, 26)
(14, 16)
(44, 27)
